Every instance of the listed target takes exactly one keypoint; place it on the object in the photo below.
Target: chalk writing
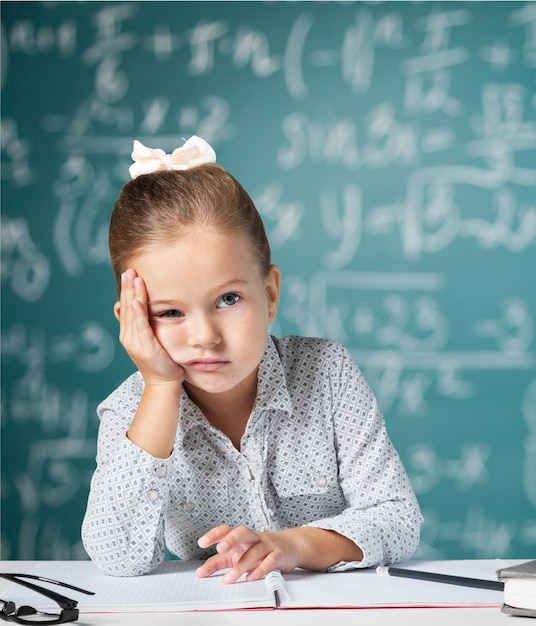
(23, 265)
(43, 39)
(16, 164)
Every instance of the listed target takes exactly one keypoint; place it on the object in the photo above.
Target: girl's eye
(227, 300)
(171, 313)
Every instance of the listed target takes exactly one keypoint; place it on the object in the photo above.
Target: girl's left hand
(248, 552)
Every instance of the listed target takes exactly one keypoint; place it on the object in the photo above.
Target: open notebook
(175, 587)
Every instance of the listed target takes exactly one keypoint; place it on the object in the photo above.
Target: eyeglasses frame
(69, 611)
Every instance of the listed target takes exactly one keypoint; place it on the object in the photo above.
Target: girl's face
(210, 308)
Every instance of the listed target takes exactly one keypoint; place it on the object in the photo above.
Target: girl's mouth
(205, 365)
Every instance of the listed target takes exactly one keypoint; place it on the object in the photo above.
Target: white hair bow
(194, 152)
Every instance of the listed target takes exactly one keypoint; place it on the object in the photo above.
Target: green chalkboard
(391, 149)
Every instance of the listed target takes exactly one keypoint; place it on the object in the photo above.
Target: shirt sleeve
(122, 530)
(383, 516)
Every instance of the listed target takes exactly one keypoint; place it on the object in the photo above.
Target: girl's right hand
(136, 334)
(154, 425)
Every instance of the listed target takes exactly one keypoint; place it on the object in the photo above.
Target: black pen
(449, 579)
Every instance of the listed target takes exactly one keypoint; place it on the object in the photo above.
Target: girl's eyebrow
(219, 289)
(168, 302)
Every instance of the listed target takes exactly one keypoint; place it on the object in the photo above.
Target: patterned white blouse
(315, 453)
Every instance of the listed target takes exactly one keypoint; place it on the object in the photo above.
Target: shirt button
(161, 471)
(152, 495)
(321, 480)
(188, 506)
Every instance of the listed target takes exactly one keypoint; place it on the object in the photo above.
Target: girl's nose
(204, 332)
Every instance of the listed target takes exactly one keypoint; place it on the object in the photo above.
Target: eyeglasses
(28, 615)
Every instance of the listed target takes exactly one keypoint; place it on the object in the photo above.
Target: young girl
(239, 448)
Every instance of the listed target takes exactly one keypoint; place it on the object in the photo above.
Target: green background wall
(390, 148)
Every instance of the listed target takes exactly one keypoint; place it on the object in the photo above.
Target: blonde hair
(157, 208)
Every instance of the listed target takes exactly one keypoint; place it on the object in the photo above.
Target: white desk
(337, 617)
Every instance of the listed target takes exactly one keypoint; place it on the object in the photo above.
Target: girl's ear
(273, 288)
(117, 310)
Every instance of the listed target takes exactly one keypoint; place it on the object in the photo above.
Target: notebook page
(173, 586)
(366, 588)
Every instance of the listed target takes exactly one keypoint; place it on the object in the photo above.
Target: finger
(127, 313)
(122, 307)
(139, 305)
(127, 295)
(134, 302)
(135, 332)
(140, 296)
(238, 540)
(214, 536)
(245, 549)
(263, 567)
(212, 565)
(250, 561)
(140, 292)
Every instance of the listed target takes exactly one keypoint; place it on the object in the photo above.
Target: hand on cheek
(137, 336)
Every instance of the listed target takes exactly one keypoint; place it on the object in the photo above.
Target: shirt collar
(272, 390)
(272, 393)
